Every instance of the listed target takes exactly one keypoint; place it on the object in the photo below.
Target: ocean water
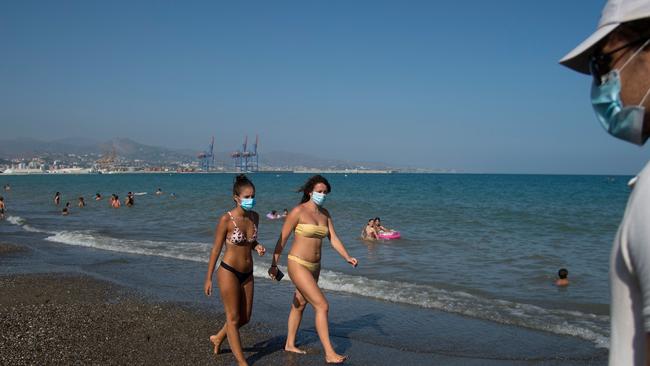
(481, 246)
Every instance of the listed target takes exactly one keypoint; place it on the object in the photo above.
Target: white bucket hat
(614, 13)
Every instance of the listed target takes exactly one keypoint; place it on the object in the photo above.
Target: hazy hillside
(28, 148)
(131, 150)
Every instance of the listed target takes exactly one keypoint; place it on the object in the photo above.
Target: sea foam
(589, 327)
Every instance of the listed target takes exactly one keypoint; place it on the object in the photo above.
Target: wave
(176, 250)
(17, 220)
(590, 327)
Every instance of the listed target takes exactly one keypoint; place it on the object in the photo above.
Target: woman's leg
(307, 286)
(231, 298)
(246, 302)
(295, 317)
(245, 311)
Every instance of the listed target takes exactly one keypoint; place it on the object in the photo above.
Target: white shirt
(629, 276)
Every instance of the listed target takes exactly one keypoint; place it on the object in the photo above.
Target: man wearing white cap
(617, 55)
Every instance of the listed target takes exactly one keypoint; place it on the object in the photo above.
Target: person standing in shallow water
(238, 229)
(2, 208)
(311, 223)
(617, 56)
(115, 203)
(66, 209)
(57, 198)
(130, 201)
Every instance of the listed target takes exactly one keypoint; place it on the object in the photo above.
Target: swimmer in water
(563, 279)
(172, 195)
(310, 223)
(237, 228)
(159, 192)
(285, 213)
(379, 227)
(57, 198)
(116, 202)
(81, 203)
(129, 201)
(369, 232)
(98, 196)
(7, 187)
(66, 209)
(2, 208)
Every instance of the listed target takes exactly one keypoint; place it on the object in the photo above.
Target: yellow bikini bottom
(311, 266)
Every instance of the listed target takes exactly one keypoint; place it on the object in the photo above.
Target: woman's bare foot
(335, 358)
(217, 343)
(294, 349)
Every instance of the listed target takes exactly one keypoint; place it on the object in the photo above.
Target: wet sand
(10, 248)
(76, 319)
(73, 318)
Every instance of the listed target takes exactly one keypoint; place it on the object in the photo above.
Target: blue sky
(470, 85)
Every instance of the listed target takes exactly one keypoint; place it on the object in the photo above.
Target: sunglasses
(599, 63)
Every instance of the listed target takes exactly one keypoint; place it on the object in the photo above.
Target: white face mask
(623, 122)
(318, 198)
(247, 203)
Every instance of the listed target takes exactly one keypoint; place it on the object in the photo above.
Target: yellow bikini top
(312, 231)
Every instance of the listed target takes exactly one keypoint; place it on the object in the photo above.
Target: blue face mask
(318, 198)
(247, 203)
(623, 122)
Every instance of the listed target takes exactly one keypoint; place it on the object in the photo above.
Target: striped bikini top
(237, 236)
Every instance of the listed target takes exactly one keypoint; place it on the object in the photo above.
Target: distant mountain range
(27, 148)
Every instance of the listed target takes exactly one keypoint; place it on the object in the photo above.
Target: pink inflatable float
(389, 235)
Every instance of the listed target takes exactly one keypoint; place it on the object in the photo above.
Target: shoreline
(68, 317)
(104, 295)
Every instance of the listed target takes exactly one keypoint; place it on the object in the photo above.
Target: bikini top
(237, 236)
(312, 231)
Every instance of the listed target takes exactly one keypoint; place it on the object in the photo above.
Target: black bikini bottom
(242, 277)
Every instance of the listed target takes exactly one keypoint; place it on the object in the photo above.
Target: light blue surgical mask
(623, 122)
(318, 198)
(247, 203)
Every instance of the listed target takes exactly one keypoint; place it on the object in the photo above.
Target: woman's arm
(219, 238)
(289, 226)
(257, 246)
(337, 244)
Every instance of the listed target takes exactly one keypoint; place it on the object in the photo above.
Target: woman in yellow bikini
(311, 224)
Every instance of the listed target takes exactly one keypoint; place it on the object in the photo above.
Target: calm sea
(482, 246)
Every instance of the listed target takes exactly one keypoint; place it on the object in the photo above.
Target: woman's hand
(273, 271)
(259, 248)
(207, 287)
(353, 261)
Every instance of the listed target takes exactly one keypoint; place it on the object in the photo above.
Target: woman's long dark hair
(241, 181)
(309, 185)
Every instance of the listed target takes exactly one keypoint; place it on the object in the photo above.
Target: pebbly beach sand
(59, 315)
